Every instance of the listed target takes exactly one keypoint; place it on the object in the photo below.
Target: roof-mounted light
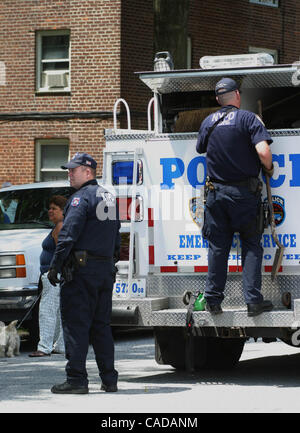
(163, 61)
(236, 61)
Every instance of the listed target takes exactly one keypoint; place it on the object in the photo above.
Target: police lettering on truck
(286, 178)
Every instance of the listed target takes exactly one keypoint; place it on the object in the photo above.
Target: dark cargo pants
(86, 304)
(231, 209)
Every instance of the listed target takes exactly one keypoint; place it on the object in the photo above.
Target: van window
(28, 208)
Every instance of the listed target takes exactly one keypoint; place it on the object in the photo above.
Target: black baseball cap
(80, 159)
(225, 85)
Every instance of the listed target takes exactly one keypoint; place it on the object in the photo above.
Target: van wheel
(33, 329)
(32, 326)
(223, 353)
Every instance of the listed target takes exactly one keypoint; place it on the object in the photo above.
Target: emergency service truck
(158, 178)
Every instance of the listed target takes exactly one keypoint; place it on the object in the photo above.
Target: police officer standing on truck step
(237, 145)
(84, 255)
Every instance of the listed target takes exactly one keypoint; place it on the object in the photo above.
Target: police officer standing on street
(84, 256)
(237, 146)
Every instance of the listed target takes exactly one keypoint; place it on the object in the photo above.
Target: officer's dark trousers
(231, 209)
(86, 304)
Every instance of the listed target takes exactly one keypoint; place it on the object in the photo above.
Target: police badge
(196, 208)
(278, 209)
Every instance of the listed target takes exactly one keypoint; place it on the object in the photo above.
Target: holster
(255, 185)
(263, 217)
(207, 187)
(81, 257)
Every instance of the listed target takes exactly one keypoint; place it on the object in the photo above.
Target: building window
(273, 3)
(53, 61)
(273, 53)
(50, 155)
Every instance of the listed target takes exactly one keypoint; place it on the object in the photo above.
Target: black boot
(213, 308)
(256, 309)
(109, 388)
(68, 388)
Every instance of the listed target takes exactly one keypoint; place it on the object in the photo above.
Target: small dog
(9, 340)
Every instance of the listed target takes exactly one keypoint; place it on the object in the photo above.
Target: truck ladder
(153, 101)
(135, 153)
(118, 101)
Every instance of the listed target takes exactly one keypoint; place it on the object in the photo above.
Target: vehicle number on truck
(137, 289)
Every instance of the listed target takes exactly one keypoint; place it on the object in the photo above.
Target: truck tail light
(124, 250)
(124, 204)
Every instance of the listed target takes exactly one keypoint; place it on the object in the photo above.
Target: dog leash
(29, 311)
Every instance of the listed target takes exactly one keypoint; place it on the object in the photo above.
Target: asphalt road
(267, 379)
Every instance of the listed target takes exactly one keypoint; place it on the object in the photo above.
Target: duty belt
(82, 256)
(100, 258)
(254, 184)
(234, 183)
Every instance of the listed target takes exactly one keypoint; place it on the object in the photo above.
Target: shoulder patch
(75, 201)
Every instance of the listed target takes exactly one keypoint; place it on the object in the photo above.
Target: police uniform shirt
(91, 223)
(231, 153)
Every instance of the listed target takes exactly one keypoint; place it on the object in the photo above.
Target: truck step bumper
(156, 312)
(229, 318)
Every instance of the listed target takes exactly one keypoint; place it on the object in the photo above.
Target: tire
(170, 348)
(209, 352)
(223, 353)
(32, 326)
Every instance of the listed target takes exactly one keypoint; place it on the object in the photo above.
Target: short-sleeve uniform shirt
(231, 153)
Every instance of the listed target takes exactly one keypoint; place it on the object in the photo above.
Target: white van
(24, 224)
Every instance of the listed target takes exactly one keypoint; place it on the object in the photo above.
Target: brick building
(63, 63)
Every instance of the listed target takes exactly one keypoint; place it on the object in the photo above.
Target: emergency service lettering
(174, 168)
(197, 241)
(189, 242)
(192, 241)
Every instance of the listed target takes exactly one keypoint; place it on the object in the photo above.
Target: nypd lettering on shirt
(229, 119)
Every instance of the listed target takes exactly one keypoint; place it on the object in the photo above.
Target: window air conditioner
(55, 79)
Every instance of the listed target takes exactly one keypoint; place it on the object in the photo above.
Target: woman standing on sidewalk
(51, 335)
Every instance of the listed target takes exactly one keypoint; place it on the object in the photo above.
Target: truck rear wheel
(209, 352)
(223, 353)
(170, 348)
